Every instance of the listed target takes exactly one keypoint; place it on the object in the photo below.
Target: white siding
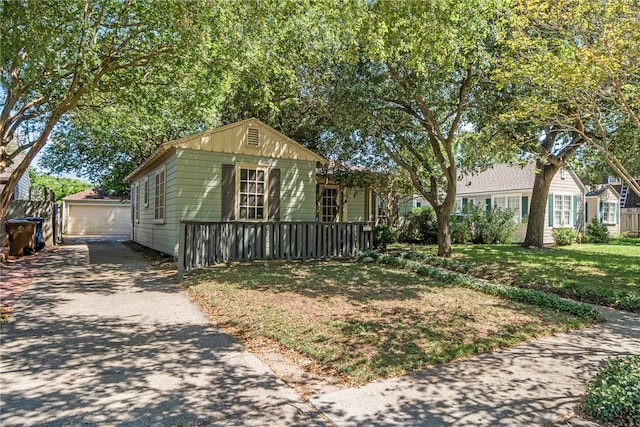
(566, 186)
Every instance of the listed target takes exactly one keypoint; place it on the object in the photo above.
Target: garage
(91, 212)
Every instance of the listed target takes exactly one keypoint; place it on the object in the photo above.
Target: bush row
(530, 296)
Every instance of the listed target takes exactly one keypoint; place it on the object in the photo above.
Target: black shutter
(274, 195)
(228, 212)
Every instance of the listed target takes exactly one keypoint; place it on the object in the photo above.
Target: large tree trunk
(538, 206)
(444, 237)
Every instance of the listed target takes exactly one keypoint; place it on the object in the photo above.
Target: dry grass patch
(361, 322)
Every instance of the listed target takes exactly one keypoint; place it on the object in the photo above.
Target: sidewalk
(100, 338)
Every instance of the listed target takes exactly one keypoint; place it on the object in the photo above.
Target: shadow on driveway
(102, 338)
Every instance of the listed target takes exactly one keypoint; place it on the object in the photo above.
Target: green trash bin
(21, 236)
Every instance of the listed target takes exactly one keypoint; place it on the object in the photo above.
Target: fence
(630, 221)
(25, 208)
(202, 244)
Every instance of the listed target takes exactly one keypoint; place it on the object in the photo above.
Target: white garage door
(86, 220)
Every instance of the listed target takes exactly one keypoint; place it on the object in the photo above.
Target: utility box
(21, 236)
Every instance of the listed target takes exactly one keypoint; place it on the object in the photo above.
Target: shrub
(493, 226)
(564, 236)
(419, 226)
(460, 229)
(382, 236)
(597, 232)
(613, 396)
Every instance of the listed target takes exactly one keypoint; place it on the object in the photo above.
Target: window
(159, 200)
(329, 205)
(252, 193)
(418, 204)
(509, 201)
(136, 205)
(609, 213)
(458, 207)
(562, 210)
(145, 185)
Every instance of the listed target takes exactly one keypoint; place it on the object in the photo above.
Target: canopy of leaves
(61, 187)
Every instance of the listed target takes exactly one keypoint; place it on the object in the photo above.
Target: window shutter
(575, 210)
(550, 206)
(367, 205)
(228, 208)
(374, 203)
(586, 212)
(525, 207)
(488, 203)
(601, 211)
(274, 195)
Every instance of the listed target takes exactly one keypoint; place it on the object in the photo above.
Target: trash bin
(21, 236)
(38, 235)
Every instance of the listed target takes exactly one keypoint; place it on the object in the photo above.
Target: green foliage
(382, 236)
(564, 236)
(419, 226)
(597, 232)
(460, 229)
(489, 226)
(61, 187)
(613, 396)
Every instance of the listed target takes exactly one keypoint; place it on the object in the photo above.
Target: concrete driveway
(101, 338)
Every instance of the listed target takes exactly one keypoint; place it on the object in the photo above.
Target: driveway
(102, 338)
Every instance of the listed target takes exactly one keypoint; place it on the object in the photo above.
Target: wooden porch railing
(202, 244)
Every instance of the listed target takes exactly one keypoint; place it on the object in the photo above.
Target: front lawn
(601, 274)
(360, 322)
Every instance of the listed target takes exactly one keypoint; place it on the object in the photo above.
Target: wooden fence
(202, 244)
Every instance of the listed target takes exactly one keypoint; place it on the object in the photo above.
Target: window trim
(157, 219)
(336, 217)
(506, 202)
(559, 224)
(136, 212)
(612, 212)
(265, 193)
(145, 193)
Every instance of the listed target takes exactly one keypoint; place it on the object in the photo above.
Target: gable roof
(632, 199)
(92, 194)
(225, 139)
(601, 190)
(502, 178)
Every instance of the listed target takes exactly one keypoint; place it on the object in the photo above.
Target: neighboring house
(603, 204)
(629, 208)
(92, 212)
(23, 188)
(407, 204)
(509, 186)
(244, 171)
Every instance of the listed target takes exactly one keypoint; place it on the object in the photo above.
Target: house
(23, 188)
(603, 205)
(244, 171)
(92, 212)
(511, 186)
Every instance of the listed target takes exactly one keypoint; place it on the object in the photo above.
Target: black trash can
(39, 236)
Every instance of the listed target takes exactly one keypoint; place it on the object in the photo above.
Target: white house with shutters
(511, 186)
(603, 205)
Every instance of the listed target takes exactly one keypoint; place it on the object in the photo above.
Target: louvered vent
(253, 137)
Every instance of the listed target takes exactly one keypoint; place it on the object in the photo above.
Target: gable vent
(252, 137)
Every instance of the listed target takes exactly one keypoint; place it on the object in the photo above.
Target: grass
(601, 274)
(360, 322)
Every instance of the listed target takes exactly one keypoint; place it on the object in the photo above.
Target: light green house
(244, 171)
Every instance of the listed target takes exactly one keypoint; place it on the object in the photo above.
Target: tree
(61, 187)
(414, 80)
(54, 54)
(555, 88)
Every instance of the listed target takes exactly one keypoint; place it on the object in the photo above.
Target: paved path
(101, 339)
